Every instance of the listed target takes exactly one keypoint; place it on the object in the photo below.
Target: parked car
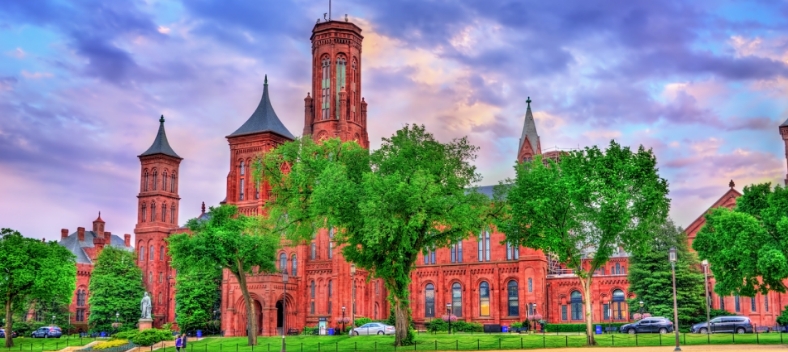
(373, 329)
(661, 325)
(2, 333)
(47, 332)
(731, 324)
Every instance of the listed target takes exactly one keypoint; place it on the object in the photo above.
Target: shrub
(437, 325)
(516, 325)
(362, 320)
(110, 344)
(782, 319)
(578, 327)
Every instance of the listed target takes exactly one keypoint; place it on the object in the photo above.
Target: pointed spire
(731, 184)
(529, 129)
(203, 207)
(99, 218)
(160, 144)
(263, 119)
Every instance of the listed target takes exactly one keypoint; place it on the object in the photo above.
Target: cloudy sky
(82, 84)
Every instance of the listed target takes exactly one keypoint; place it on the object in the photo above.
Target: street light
(284, 308)
(448, 315)
(343, 319)
(641, 309)
(705, 264)
(53, 320)
(353, 306)
(672, 258)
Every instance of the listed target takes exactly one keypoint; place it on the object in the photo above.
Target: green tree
(197, 295)
(747, 247)
(33, 270)
(115, 288)
(651, 279)
(230, 241)
(387, 206)
(586, 206)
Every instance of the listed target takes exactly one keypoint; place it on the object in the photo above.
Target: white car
(373, 329)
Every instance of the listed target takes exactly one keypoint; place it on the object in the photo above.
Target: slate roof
(263, 119)
(784, 123)
(160, 144)
(75, 246)
(529, 128)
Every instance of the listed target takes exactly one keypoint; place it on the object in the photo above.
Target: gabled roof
(725, 200)
(529, 129)
(160, 144)
(263, 119)
(75, 246)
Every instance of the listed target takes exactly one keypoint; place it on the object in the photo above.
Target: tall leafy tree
(585, 207)
(650, 277)
(115, 288)
(33, 270)
(230, 241)
(197, 295)
(388, 205)
(747, 247)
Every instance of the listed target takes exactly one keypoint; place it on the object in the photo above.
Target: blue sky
(82, 84)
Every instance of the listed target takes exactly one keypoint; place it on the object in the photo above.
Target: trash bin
(331, 331)
(598, 330)
(199, 333)
(103, 334)
(504, 328)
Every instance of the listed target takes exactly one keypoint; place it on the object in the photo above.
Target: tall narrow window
(172, 214)
(429, 301)
(283, 263)
(313, 254)
(576, 299)
(514, 299)
(161, 253)
(563, 312)
(530, 284)
(736, 304)
(753, 308)
(456, 252)
(606, 311)
(151, 254)
(312, 289)
(340, 81)
(155, 179)
(152, 211)
(618, 305)
(145, 184)
(325, 96)
(172, 183)
(161, 277)
(512, 251)
(377, 287)
(618, 269)
(142, 252)
(163, 212)
(293, 265)
(242, 187)
(242, 168)
(257, 190)
(484, 299)
(429, 257)
(144, 212)
(164, 181)
(484, 246)
(456, 299)
(330, 293)
(353, 85)
(766, 303)
(330, 249)
(150, 277)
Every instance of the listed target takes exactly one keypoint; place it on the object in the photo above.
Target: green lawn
(30, 344)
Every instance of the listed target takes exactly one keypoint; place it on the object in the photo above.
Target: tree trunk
(586, 285)
(9, 342)
(250, 317)
(401, 321)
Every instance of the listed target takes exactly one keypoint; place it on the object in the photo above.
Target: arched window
(164, 212)
(151, 254)
(484, 246)
(530, 285)
(618, 304)
(429, 301)
(313, 254)
(164, 181)
(340, 79)
(155, 179)
(484, 299)
(325, 96)
(142, 251)
(283, 262)
(618, 269)
(172, 214)
(456, 299)
(330, 293)
(514, 298)
(353, 85)
(293, 265)
(312, 296)
(172, 183)
(152, 211)
(161, 253)
(242, 168)
(241, 188)
(330, 249)
(512, 251)
(576, 299)
(144, 212)
(145, 183)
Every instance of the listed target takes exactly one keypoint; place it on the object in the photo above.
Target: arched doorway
(280, 312)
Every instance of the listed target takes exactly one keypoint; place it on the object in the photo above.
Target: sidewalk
(695, 348)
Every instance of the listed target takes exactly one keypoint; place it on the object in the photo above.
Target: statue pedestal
(146, 324)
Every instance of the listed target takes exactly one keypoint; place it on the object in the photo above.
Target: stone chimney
(127, 240)
(108, 237)
(81, 233)
(63, 233)
(98, 245)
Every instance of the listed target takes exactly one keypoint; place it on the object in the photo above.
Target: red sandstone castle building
(478, 279)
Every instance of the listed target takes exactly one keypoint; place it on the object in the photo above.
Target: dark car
(2, 333)
(731, 324)
(47, 332)
(652, 324)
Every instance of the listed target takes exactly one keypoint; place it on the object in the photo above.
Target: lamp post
(353, 305)
(53, 320)
(705, 264)
(448, 315)
(673, 259)
(343, 319)
(641, 309)
(284, 308)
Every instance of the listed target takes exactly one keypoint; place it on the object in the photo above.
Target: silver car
(373, 329)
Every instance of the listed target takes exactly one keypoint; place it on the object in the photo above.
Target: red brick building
(483, 280)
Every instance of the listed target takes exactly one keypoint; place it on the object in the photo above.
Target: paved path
(705, 348)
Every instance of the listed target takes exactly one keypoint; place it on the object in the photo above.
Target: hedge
(578, 327)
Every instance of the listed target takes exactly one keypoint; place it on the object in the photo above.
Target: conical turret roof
(529, 129)
(263, 119)
(160, 144)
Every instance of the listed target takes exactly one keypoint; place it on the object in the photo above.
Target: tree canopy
(227, 240)
(33, 270)
(747, 247)
(412, 194)
(197, 295)
(583, 208)
(115, 287)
